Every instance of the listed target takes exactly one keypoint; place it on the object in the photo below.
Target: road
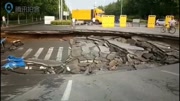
(154, 84)
(41, 49)
(45, 28)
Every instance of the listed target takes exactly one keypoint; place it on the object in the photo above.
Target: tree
(143, 8)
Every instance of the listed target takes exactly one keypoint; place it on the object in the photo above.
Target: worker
(3, 21)
(172, 23)
(73, 22)
(93, 20)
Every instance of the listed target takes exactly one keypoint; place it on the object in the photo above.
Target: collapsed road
(89, 54)
(153, 62)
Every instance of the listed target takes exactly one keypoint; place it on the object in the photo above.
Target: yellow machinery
(87, 15)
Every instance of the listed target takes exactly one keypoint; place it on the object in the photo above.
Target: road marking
(69, 51)
(67, 91)
(38, 52)
(59, 54)
(170, 72)
(48, 55)
(27, 53)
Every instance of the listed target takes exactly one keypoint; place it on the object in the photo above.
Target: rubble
(118, 53)
(92, 53)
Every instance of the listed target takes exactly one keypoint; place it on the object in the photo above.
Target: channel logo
(8, 7)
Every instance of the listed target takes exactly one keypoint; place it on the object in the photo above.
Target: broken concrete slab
(131, 41)
(110, 52)
(111, 56)
(48, 63)
(76, 51)
(104, 49)
(83, 64)
(74, 68)
(113, 63)
(89, 56)
(147, 55)
(125, 45)
(86, 49)
(120, 39)
(171, 60)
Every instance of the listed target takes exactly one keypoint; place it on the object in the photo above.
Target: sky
(86, 4)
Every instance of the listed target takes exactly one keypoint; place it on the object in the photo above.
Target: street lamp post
(59, 11)
(121, 7)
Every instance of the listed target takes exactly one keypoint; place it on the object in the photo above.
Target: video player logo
(8, 7)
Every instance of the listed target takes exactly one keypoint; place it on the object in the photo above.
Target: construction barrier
(167, 19)
(151, 21)
(108, 21)
(123, 20)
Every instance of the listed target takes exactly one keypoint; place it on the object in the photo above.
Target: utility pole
(121, 7)
(61, 9)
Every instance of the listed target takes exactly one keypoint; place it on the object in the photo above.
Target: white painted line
(48, 55)
(169, 72)
(38, 52)
(59, 54)
(27, 53)
(69, 51)
(67, 91)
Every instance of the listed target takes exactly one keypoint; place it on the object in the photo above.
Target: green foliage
(61, 22)
(143, 8)
(47, 7)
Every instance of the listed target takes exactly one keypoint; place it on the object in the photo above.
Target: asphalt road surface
(41, 49)
(42, 27)
(154, 84)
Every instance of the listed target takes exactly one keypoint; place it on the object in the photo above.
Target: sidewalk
(12, 26)
(138, 30)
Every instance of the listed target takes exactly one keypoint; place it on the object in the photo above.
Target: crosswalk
(47, 55)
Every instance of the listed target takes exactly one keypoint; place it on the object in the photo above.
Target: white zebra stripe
(27, 53)
(48, 55)
(38, 52)
(59, 54)
(69, 51)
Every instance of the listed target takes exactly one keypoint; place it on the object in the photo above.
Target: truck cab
(98, 15)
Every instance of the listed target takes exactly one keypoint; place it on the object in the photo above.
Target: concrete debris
(90, 54)
(148, 55)
(111, 56)
(122, 40)
(76, 51)
(113, 53)
(113, 63)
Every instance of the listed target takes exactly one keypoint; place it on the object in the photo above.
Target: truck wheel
(97, 22)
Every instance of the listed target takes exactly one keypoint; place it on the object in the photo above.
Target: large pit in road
(92, 53)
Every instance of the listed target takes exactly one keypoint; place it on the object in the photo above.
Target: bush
(61, 22)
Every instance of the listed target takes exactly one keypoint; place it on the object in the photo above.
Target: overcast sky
(86, 4)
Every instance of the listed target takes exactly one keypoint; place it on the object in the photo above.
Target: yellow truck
(86, 15)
